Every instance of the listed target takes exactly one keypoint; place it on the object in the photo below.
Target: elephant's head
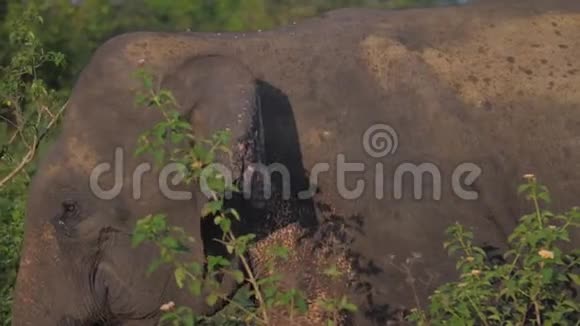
(78, 266)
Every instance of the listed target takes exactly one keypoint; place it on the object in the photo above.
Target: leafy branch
(29, 109)
(196, 156)
(533, 286)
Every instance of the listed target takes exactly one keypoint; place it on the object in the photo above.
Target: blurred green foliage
(29, 111)
(11, 223)
(78, 29)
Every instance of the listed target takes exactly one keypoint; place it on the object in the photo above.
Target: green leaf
(211, 299)
(238, 276)
(332, 272)
(212, 207)
(547, 274)
(545, 197)
(195, 287)
(234, 213)
(154, 266)
(180, 275)
(216, 261)
(173, 244)
(301, 304)
(225, 225)
(524, 188)
(138, 238)
(280, 252)
(575, 278)
(349, 307)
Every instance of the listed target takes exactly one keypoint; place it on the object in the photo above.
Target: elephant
(379, 116)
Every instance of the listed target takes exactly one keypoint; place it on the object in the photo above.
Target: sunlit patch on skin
(482, 66)
(80, 155)
(159, 50)
(52, 170)
(382, 55)
(47, 233)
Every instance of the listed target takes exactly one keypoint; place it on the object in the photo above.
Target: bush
(534, 284)
(11, 222)
(28, 113)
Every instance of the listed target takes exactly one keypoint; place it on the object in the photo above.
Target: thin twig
(32, 149)
(53, 121)
(27, 159)
(15, 126)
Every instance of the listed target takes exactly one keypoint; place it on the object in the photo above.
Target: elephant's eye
(66, 221)
(69, 206)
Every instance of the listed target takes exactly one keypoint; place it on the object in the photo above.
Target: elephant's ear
(217, 92)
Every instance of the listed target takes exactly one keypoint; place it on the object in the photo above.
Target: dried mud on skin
(303, 270)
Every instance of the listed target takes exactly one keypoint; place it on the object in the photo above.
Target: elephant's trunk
(44, 294)
(36, 293)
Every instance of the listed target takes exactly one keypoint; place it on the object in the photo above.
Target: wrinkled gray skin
(91, 272)
(493, 83)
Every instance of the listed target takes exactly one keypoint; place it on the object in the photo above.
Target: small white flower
(546, 254)
(529, 176)
(168, 306)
